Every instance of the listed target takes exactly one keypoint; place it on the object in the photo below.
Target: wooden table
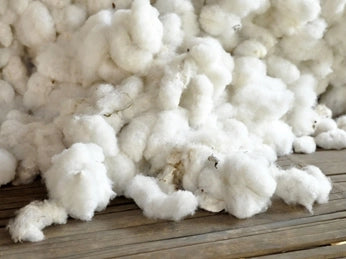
(122, 231)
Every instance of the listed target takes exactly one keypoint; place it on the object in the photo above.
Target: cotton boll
(30, 220)
(216, 21)
(16, 135)
(6, 36)
(268, 101)
(109, 100)
(199, 100)
(316, 28)
(333, 10)
(173, 83)
(39, 87)
(303, 90)
(278, 135)
(7, 93)
(18, 6)
(56, 3)
(91, 129)
(94, 46)
(193, 157)
(251, 48)
(341, 122)
(301, 47)
(248, 185)
(147, 37)
(291, 15)
(8, 166)
(305, 145)
(248, 70)
(110, 72)
(210, 192)
(186, 12)
(333, 139)
(323, 111)
(48, 141)
(131, 86)
(157, 204)
(302, 120)
(303, 186)
(259, 33)
(335, 100)
(69, 18)
(121, 170)
(213, 61)
(137, 37)
(4, 56)
(3, 6)
(172, 31)
(244, 8)
(80, 171)
(168, 131)
(335, 36)
(95, 6)
(15, 73)
(237, 131)
(337, 78)
(133, 137)
(324, 125)
(55, 62)
(283, 69)
(35, 25)
(213, 19)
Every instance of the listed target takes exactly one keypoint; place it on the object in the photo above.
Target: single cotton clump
(303, 187)
(80, 171)
(157, 204)
(31, 219)
(8, 167)
(304, 145)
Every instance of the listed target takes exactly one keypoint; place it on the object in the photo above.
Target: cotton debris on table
(176, 104)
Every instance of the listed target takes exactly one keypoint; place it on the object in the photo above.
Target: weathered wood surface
(122, 231)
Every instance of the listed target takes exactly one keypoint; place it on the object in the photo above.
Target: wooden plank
(211, 229)
(330, 251)
(329, 161)
(254, 245)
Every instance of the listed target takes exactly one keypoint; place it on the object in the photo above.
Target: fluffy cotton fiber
(176, 104)
(8, 166)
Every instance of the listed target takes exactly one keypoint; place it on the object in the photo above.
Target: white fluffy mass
(176, 104)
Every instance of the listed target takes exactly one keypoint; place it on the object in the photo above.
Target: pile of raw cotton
(177, 104)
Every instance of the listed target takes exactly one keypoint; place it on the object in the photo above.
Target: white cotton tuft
(30, 220)
(341, 122)
(156, 204)
(137, 37)
(91, 129)
(120, 169)
(305, 145)
(283, 69)
(335, 100)
(81, 173)
(251, 48)
(249, 185)
(7, 93)
(6, 36)
(303, 187)
(324, 125)
(8, 166)
(333, 139)
(36, 25)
